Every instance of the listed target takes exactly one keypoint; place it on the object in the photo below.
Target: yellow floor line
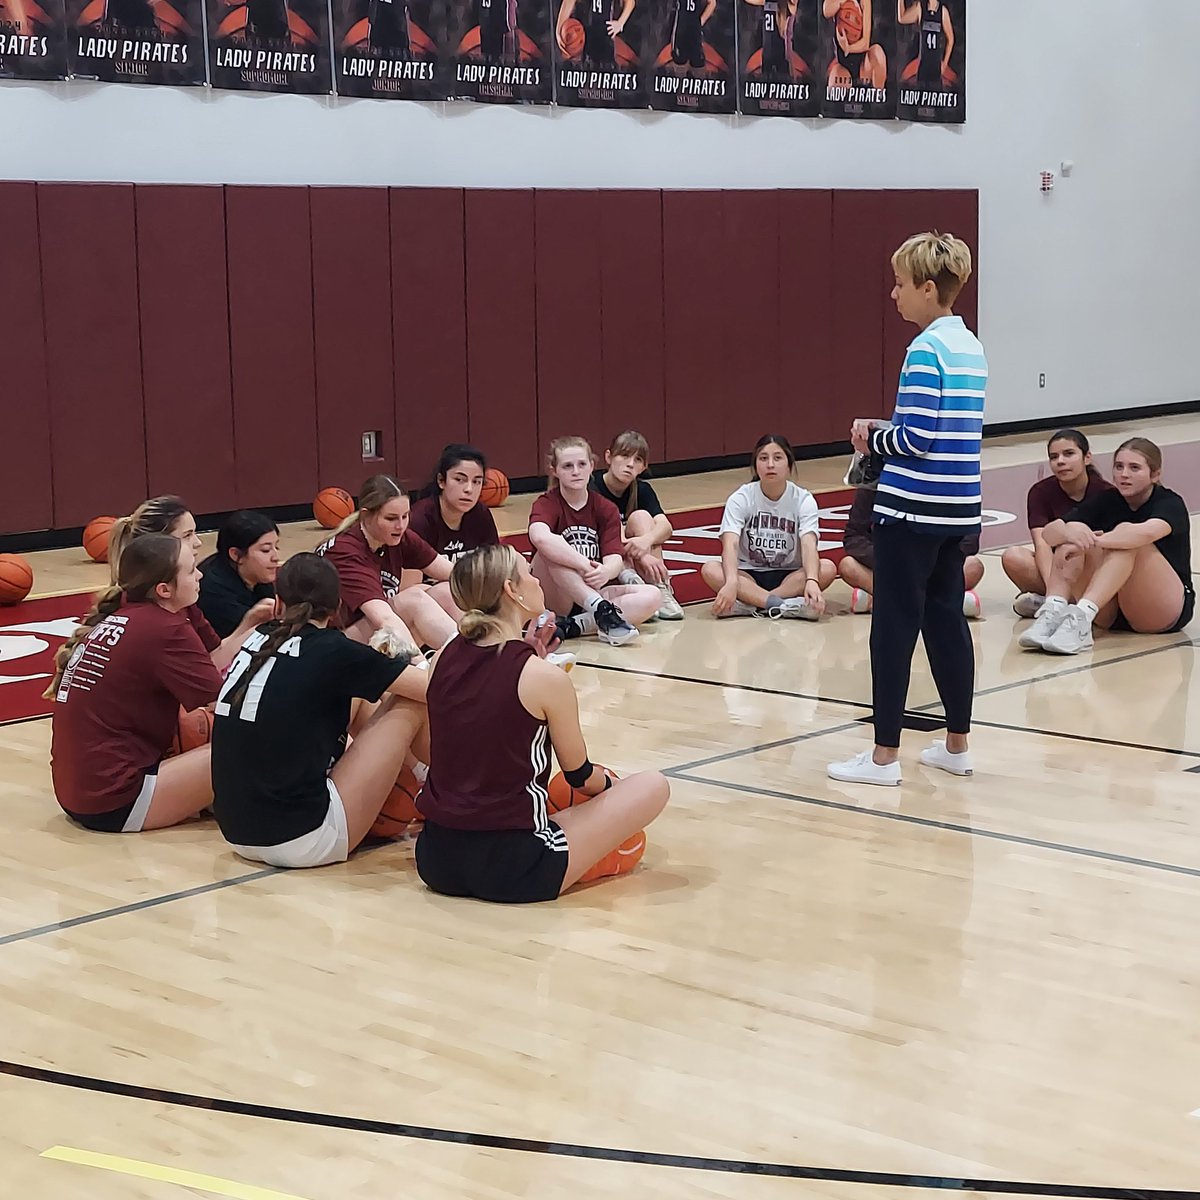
(145, 1170)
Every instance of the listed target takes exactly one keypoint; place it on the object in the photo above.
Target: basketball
(495, 483)
(16, 578)
(332, 506)
(573, 38)
(95, 538)
(560, 794)
(850, 20)
(399, 809)
(194, 730)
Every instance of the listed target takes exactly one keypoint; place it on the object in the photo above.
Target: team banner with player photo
(931, 51)
(598, 47)
(777, 45)
(498, 51)
(269, 45)
(137, 41)
(692, 55)
(857, 39)
(387, 49)
(33, 39)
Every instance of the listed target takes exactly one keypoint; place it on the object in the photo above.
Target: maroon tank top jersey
(490, 757)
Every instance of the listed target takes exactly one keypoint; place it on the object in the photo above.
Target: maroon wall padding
(697, 303)
(810, 386)
(26, 492)
(269, 249)
(501, 329)
(757, 402)
(183, 302)
(352, 326)
(93, 359)
(631, 281)
(569, 321)
(429, 326)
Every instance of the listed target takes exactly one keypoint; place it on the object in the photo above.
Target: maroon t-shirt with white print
(594, 529)
(367, 574)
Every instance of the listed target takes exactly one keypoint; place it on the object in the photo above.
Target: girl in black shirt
(242, 572)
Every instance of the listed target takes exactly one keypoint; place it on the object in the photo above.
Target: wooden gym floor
(808, 988)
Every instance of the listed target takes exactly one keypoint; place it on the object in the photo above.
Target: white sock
(585, 621)
(1056, 603)
(593, 599)
(1088, 609)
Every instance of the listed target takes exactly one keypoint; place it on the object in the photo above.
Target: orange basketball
(332, 506)
(193, 731)
(95, 538)
(16, 578)
(560, 794)
(400, 808)
(495, 483)
(573, 38)
(850, 20)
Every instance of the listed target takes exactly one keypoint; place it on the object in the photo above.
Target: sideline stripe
(146, 1170)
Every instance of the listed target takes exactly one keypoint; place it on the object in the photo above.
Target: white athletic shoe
(1074, 633)
(972, 608)
(630, 578)
(936, 755)
(795, 608)
(862, 768)
(741, 609)
(566, 662)
(1049, 618)
(1027, 604)
(860, 601)
(670, 609)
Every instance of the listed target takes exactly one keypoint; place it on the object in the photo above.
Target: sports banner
(33, 39)
(857, 40)
(498, 51)
(137, 41)
(931, 53)
(387, 49)
(598, 46)
(777, 46)
(269, 45)
(691, 53)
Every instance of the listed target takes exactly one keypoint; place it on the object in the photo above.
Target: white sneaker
(566, 662)
(795, 608)
(1074, 633)
(670, 609)
(936, 755)
(630, 578)
(1049, 618)
(862, 768)
(1027, 604)
(972, 607)
(741, 609)
(860, 601)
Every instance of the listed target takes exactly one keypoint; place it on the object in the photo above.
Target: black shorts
(115, 819)
(1121, 624)
(598, 48)
(687, 46)
(769, 580)
(507, 866)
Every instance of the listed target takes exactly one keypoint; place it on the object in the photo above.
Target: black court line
(1087, 737)
(1127, 860)
(676, 772)
(648, 1158)
(136, 906)
(24, 720)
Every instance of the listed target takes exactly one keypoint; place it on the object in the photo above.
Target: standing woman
(371, 550)
(488, 833)
(1073, 480)
(169, 515)
(927, 500)
(119, 684)
(242, 572)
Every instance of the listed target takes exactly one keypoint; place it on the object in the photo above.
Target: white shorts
(328, 843)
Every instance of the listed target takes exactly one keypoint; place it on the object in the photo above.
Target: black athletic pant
(919, 589)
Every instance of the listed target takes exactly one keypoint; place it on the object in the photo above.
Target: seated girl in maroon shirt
(493, 707)
(380, 562)
(169, 514)
(1073, 479)
(579, 552)
(118, 687)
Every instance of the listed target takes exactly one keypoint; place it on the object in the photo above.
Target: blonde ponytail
(157, 515)
(372, 496)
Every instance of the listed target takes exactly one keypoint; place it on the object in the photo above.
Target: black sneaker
(567, 628)
(611, 626)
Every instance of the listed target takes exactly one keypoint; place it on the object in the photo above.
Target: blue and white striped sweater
(931, 449)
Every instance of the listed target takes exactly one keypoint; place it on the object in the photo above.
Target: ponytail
(157, 515)
(107, 603)
(294, 619)
(373, 495)
(477, 586)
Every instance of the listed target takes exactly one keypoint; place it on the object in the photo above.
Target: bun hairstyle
(147, 561)
(477, 586)
(308, 586)
(372, 496)
(157, 515)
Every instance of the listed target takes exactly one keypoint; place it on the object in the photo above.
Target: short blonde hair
(937, 258)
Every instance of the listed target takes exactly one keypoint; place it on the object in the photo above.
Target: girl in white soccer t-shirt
(769, 564)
